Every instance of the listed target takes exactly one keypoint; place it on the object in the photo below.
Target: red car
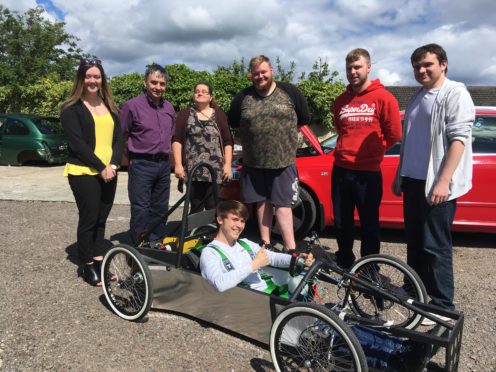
(476, 211)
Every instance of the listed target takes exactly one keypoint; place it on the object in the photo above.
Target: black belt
(152, 157)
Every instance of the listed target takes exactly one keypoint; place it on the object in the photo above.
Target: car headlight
(45, 151)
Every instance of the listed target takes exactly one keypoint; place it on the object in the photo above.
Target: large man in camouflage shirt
(268, 115)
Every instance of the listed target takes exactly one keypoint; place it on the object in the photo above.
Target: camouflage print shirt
(268, 126)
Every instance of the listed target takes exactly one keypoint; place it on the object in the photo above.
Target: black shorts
(279, 186)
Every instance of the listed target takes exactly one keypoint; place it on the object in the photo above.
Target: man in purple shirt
(148, 123)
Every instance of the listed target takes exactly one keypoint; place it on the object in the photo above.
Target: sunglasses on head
(90, 62)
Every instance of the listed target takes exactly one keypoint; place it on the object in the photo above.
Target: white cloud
(128, 35)
(387, 77)
(19, 5)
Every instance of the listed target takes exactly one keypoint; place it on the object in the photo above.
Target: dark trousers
(361, 190)
(148, 189)
(94, 199)
(429, 246)
(199, 190)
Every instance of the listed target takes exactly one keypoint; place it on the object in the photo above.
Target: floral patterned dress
(203, 144)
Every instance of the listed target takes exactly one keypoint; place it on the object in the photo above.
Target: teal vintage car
(30, 138)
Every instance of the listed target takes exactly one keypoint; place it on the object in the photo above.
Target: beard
(263, 86)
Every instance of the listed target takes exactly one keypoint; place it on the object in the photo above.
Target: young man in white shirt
(226, 262)
(435, 169)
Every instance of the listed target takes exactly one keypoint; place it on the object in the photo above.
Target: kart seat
(191, 260)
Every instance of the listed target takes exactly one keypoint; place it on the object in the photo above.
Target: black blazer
(79, 129)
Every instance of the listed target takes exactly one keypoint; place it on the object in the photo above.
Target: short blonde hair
(355, 55)
(258, 60)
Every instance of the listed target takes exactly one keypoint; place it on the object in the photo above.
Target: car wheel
(22, 158)
(304, 216)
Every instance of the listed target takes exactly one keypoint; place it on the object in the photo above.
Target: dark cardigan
(182, 123)
(79, 130)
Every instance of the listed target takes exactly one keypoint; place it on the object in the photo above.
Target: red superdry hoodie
(368, 123)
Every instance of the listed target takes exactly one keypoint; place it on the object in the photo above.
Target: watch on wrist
(113, 166)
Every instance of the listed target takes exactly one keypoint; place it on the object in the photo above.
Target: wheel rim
(392, 280)
(309, 343)
(125, 284)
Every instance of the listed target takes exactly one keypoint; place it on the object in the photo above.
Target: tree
(285, 75)
(31, 48)
(229, 81)
(321, 90)
(181, 82)
(45, 96)
(125, 87)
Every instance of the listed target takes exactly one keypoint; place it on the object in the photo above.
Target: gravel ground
(51, 320)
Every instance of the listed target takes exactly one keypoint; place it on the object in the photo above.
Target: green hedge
(45, 96)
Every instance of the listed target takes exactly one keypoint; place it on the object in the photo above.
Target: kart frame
(176, 285)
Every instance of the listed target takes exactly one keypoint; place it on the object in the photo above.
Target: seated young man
(225, 263)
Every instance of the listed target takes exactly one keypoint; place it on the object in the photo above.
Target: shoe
(91, 275)
(428, 322)
(98, 265)
(108, 274)
(344, 263)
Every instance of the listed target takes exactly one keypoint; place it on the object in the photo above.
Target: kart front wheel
(307, 337)
(389, 274)
(127, 282)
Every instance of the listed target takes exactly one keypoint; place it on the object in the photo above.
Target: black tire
(308, 337)
(304, 216)
(127, 282)
(390, 275)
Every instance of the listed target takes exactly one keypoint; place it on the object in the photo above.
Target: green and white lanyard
(271, 286)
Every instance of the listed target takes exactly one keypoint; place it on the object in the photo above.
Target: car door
(391, 208)
(476, 211)
(15, 139)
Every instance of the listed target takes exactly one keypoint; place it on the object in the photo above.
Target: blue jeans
(429, 246)
(363, 190)
(148, 189)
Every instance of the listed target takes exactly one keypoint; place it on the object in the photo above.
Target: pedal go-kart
(321, 318)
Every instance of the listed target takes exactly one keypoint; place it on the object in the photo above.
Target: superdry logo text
(363, 111)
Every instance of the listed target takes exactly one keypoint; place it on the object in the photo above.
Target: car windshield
(484, 135)
(48, 125)
(329, 143)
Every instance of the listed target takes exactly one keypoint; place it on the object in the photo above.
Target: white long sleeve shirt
(215, 273)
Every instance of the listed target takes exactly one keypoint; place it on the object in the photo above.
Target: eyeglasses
(206, 92)
(90, 62)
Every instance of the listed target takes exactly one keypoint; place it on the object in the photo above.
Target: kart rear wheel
(307, 337)
(391, 275)
(127, 282)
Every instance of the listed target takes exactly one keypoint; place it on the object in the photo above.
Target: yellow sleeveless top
(104, 132)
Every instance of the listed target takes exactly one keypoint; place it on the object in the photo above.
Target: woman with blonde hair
(91, 125)
(202, 135)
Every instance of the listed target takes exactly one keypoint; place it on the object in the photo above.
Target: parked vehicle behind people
(31, 138)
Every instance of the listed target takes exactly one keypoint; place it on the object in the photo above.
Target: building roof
(481, 95)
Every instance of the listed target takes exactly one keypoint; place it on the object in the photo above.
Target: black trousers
(429, 245)
(199, 190)
(94, 199)
(361, 190)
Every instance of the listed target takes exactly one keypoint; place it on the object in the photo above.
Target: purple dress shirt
(149, 127)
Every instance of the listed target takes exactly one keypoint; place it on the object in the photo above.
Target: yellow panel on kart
(188, 244)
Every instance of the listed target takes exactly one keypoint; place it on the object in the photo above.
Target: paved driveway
(45, 183)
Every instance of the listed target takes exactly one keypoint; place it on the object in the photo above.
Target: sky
(128, 35)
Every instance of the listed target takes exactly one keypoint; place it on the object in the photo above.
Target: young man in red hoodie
(367, 121)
